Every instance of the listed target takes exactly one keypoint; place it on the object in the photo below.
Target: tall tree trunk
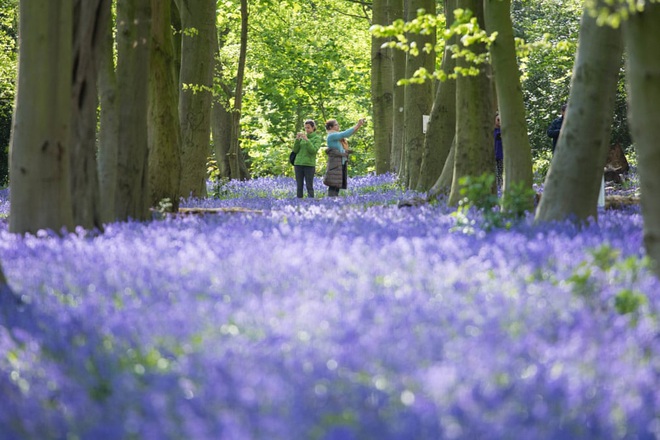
(442, 123)
(419, 97)
(642, 34)
(575, 175)
(381, 91)
(235, 154)
(442, 186)
(517, 150)
(221, 130)
(474, 117)
(108, 126)
(164, 129)
(195, 95)
(40, 149)
(90, 28)
(399, 93)
(221, 118)
(133, 37)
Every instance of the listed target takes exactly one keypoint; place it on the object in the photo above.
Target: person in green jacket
(306, 146)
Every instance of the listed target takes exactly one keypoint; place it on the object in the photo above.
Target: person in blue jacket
(555, 128)
(337, 143)
(499, 151)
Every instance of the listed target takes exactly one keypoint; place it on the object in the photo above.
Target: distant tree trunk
(133, 37)
(164, 129)
(575, 175)
(40, 152)
(381, 91)
(442, 123)
(642, 34)
(108, 127)
(221, 130)
(235, 154)
(419, 97)
(221, 119)
(474, 117)
(195, 95)
(442, 186)
(517, 150)
(90, 28)
(399, 93)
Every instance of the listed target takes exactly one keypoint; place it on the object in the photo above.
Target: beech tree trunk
(517, 150)
(198, 26)
(442, 186)
(164, 129)
(474, 117)
(90, 27)
(40, 151)
(381, 91)
(418, 99)
(235, 154)
(642, 35)
(442, 123)
(574, 179)
(108, 127)
(399, 93)
(221, 130)
(133, 37)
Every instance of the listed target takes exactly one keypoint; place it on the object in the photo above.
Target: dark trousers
(304, 175)
(333, 191)
(499, 163)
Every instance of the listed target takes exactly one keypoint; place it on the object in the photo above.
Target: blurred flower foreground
(278, 318)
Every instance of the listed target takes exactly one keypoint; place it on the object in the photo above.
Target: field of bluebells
(330, 319)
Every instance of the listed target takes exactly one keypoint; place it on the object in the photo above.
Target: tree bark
(40, 152)
(399, 93)
(108, 127)
(90, 28)
(235, 154)
(198, 24)
(442, 186)
(419, 97)
(442, 123)
(221, 119)
(164, 129)
(381, 91)
(574, 179)
(641, 34)
(517, 150)
(133, 37)
(474, 117)
(221, 131)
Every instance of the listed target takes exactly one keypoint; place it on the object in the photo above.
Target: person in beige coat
(336, 175)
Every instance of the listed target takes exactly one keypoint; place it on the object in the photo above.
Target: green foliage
(464, 26)
(478, 194)
(8, 67)
(603, 266)
(303, 63)
(541, 165)
(629, 301)
(517, 200)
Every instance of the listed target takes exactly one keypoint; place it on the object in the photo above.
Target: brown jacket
(334, 174)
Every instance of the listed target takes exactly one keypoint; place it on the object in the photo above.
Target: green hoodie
(306, 149)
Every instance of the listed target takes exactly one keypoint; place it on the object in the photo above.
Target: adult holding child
(336, 175)
(306, 146)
